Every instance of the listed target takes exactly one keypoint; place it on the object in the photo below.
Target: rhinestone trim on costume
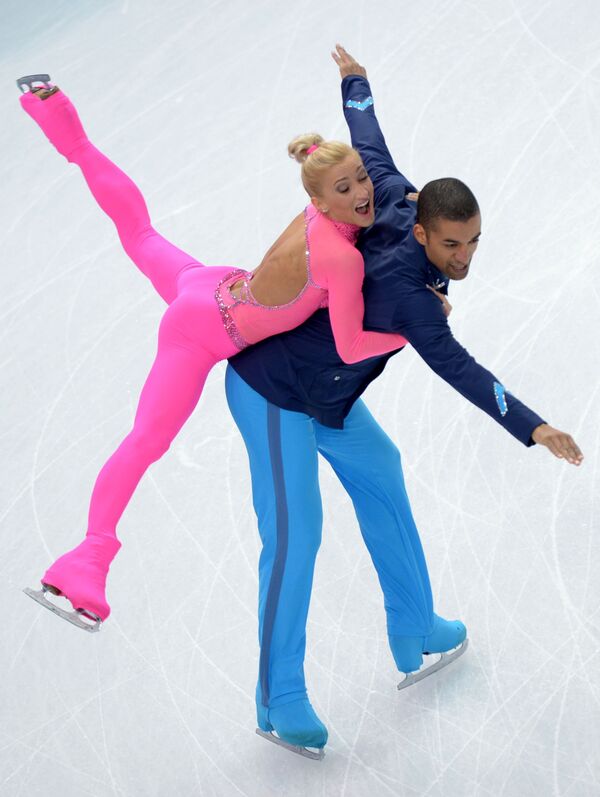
(349, 231)
(360, 106)
(224, 309)
(310, 283)
(500, 393)
(309, 279)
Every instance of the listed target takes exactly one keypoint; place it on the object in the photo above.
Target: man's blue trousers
(282, 449)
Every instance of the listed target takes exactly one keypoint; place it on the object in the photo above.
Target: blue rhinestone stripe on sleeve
(360, 106)
(500, 394)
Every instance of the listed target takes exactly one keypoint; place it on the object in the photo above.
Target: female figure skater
(213, 313)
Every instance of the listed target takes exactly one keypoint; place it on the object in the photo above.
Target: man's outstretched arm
(425, 326)
(365, 132)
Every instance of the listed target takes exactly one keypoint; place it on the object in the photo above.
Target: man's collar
(435, 278)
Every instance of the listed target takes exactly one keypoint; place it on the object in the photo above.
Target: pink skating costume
(204, 323)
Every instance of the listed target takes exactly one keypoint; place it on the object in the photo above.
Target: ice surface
(197, 101)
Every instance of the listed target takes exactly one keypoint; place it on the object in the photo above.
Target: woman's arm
(343, 277)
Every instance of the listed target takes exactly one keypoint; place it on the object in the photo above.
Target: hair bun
(297, 148)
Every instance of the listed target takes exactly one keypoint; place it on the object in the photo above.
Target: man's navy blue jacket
(301, 371)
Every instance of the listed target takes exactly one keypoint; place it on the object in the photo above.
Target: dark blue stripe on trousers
(281, 508)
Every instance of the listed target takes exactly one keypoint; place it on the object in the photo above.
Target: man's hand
(346, 63)
(559, 443)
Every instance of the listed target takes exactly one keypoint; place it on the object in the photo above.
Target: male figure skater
(291, 397)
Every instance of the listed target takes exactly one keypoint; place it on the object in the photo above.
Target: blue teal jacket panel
(301, 370)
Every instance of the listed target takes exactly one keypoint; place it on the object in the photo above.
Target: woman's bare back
(282, 273)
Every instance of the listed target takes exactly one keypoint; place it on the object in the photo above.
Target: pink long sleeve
(342, 274)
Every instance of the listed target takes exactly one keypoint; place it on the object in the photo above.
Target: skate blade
(444, 660)
(317, 754)
(29, 80)
(75, 617)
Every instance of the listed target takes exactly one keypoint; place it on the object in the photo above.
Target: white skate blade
(75, 617)
(425, 671)
(317, 754)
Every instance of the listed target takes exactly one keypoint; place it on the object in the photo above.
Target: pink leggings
(191, 339)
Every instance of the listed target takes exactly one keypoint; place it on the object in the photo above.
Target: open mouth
(458, 268)
(364, 209)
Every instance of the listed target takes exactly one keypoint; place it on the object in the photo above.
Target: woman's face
(347, 193)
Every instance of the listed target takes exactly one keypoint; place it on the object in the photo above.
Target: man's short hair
(446, 198)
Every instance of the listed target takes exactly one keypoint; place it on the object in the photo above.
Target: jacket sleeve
(421, 320)
(366, 135)
(343, 278)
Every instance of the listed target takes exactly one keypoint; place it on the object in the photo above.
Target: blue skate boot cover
(296, 725)
(408, 650)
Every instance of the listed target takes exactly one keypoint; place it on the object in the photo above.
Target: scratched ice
(197, 101)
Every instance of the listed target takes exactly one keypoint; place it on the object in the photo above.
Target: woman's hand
(446, 306)
(347, 64)
(559, 443)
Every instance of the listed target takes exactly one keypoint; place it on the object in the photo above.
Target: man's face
(346, 193)
(450, 245)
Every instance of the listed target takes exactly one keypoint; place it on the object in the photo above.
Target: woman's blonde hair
(328, 154)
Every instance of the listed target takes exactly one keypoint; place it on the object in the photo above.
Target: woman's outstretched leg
(169, 395)
(115, 192)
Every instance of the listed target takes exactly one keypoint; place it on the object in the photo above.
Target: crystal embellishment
(360, 106)
(224, 309)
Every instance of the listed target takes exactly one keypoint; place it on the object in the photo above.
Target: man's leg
(283, 462)
(368, 464)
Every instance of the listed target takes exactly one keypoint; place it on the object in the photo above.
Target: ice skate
(294, 726)
(54, 112)
(81, 618)
(446, 643)
(43, 91)
(80, 576)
